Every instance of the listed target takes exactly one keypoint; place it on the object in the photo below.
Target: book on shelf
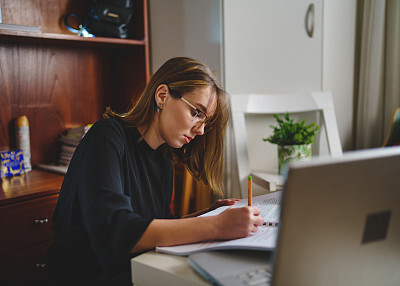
(264, 239)
(59, 169)
(64, 161)
(69, 141)
(21, 28)
(73, 136)
(66, 154)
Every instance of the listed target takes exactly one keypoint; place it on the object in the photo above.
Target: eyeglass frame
(198, 111)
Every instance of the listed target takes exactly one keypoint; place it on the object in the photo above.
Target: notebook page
(269, 204)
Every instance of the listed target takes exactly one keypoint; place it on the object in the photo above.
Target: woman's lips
(187, 139)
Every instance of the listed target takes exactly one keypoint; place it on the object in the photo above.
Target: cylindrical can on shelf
(23, 140)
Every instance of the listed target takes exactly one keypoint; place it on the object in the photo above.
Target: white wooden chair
(252, 115)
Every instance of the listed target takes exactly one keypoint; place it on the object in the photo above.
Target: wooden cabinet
(58, 80)
(27, 204)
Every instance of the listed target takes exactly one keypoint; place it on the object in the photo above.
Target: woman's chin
(176, 144)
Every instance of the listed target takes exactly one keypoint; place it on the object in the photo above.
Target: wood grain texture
(29, 186)
(20, 228)
(54, 87)
(49, 14)
(60, 80)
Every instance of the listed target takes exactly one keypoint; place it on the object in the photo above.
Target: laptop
(339, 225)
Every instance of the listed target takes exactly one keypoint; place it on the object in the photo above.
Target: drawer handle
(41, 221)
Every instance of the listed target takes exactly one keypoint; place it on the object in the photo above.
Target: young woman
(115, 198)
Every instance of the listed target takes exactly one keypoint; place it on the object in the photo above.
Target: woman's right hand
(230, 224)
(238, 222)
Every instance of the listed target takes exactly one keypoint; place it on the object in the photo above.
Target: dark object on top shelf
(109, 18)
(104, 18)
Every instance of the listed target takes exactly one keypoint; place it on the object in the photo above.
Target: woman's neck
(151, 136)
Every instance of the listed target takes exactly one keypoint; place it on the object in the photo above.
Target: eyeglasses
(199, 117)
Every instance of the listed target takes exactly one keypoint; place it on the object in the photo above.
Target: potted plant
(294, 139)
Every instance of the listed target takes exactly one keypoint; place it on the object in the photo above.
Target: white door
(272, 45)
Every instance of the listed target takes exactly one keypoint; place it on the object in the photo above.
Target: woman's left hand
(223, 202)
(217, 204)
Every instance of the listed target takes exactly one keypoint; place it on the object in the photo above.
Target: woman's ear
(161, 95)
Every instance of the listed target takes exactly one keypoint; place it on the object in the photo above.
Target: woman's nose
(199, 129)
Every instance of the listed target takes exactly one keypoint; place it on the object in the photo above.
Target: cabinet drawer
(26, 223)
(25, 266)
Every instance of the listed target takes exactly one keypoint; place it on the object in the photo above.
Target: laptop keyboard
(256, 277)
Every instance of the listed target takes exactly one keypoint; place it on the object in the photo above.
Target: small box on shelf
(11, 163)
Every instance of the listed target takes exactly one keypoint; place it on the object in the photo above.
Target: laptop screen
(340, 221)
(339, 225)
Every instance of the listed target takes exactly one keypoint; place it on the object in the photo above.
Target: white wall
(193, 28)
(338, 62)
(185, 28)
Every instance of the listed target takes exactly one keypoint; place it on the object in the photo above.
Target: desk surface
(153, 268)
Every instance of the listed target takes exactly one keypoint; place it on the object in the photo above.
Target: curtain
(379, 71)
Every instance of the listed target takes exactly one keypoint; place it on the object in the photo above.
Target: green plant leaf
(292, 133)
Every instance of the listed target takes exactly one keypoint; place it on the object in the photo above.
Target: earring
(158, 109)
(161, 105)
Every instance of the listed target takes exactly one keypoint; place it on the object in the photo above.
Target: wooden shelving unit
(30, 37)
(58, 80)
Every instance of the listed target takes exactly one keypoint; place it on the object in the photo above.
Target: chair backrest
(250, 114)
(393, 138)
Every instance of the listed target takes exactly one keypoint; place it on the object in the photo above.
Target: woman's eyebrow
(202, 108)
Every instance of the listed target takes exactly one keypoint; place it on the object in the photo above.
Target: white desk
(153, 268)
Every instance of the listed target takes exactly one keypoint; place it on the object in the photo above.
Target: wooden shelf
(7, 36)
(30, 185)
(61, 79)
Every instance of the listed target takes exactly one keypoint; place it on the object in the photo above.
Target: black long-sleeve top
(113, 189)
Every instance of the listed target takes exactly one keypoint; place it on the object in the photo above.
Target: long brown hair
(204, 155)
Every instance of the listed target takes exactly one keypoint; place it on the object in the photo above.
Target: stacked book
(70, 141)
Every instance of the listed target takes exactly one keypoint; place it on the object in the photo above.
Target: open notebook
(263, 239)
